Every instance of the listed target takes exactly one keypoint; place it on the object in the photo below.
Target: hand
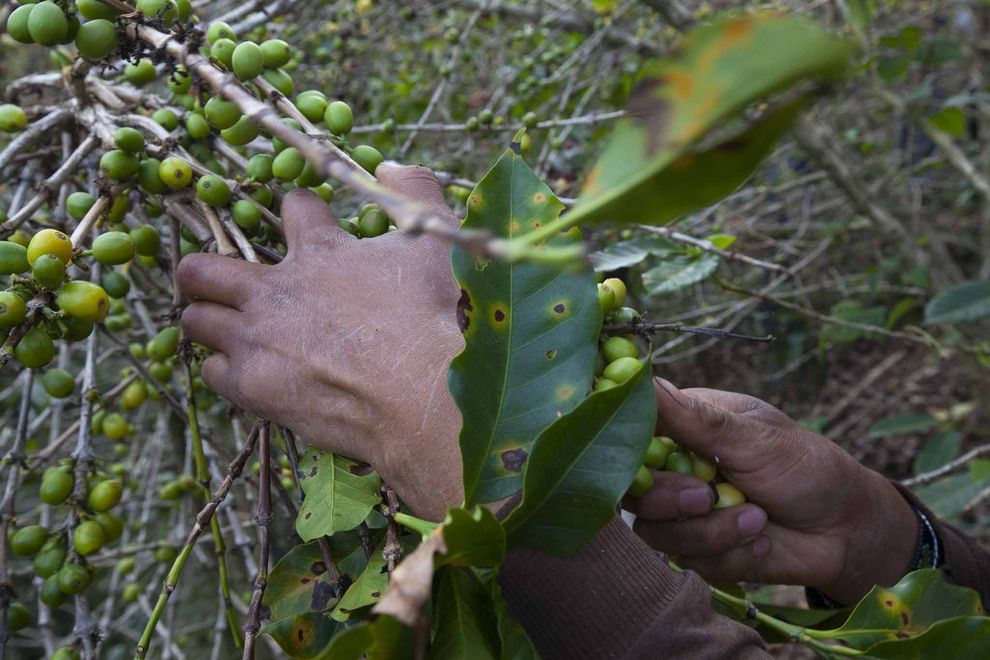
(345, 342)
(815, 516)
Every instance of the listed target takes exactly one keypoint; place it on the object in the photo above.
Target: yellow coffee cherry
(49, 241)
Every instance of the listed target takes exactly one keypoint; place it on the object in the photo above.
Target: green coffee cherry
(658, 451)
(166, 554)
(47, 24)
(622, 369)
(606, 299)
(56, 486)
(12, 118)
(18, 617)
(289, 164)
(59, 383)
(115, 284)
(175, 172)
(140, 74)
(222, 51)
(642, 482)
(73, 578)
(180, 82)
(13, 258)
(241, 133)
(119, 165)
(196, 126)
(280, 80)
(312, 104)
(248, 61)
(115, 427)
(679, 462)
(113, 248)
(372, 221)
(618, 347)
(17, 25)
(213, 190)
(147, 240)
(50, 558)
(96, 39)
(94, 9)
(129, 139)
(618, 288)
(12, 310)
(48, 271)
(27, 541)
(131, 593)
(703, 468)
(78, 204)
(163, 9)
(149, 177)
(623, 315)
(728, 495)
(339, 118)
(83, 300)
(247, 216)
(35, 349)
(259, 167)
(219, 30)
(164, 344)
(367, 157)
(276, 53)
(221, 113)
(105, 495)
(160, 371)
(133, 396)
(125, 565)
(603, 384)
(88, 537)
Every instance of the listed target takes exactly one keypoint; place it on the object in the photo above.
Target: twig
(639, 326)
(253, 624)
(928, 477)
(707, 246)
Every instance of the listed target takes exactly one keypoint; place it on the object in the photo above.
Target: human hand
(346, 341)
(815, 516)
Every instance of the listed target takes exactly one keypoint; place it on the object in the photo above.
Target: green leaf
(905, 610)
(367, 589)
(530, 332)
(950, 120)
(948, 497)
(466, 626)
(581, 466)
(651, 169)
(979, 470)
(938, 451)
(851, 310)
(722, 241)
(515, 643)
(860, 12)
(384, 638)
(969, 301)
(302, 635)
(347, 550)
(902, 424)
(299, 583)
(336, 499)
(958, 637)
(629, 253)
(473, 538)
(677, 272)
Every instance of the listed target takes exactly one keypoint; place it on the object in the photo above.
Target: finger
(307, 221)
(673, 496)
(704, 536)
(736, 564)
(211, 325)
(215, 374)
(217, 279)
(419, 183)
(707, 429)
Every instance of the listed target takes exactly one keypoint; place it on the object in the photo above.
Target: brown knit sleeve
(967, 562)
(617, 598)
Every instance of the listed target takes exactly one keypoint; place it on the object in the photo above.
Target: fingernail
(761, 546)
(751, 522)
(694, 501)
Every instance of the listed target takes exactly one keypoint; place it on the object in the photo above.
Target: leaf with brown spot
(336, 498)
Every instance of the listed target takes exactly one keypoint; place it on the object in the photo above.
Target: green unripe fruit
(51, 594)
(83, 300)
(133, 396)
(59, 383)
(78, 204)
(247, 61)
(119, 165)
(48, 271)
(658, 451)
(77, 329)
(56, 485)
(20, 237)
(18, 617)
(94, 9)
(247, 216)
(222, 51)
(221, 113)
(624, 314)
(147, 240)
(241, 133)
(213, 190)
(17, 24)
(618, 347)
(166, 554)
(166, 119)
(118, 322)
(367, 157)
(164, 9)
(140, 74)
(65, 653)
(259, 167)
(372, 222)
(115, 427)
(263, 195)
(312, 105)
(642, 482)
(12, 118)
(219, 30)
(324, 191)
(96, 423)
(276, 53)
(125, 565)
(171, 491)
(35, 349)
(679, 462)
(728, 495)
(339, 118)
(97, 38)
(280, 80)
(288, 164)
(622, 369)
(12, 310)
(28, 540)
(137, 350)
(180, 81)
(160, 371)
(530, 120)
(149, 178)
(164, 344)
(113, 248)
(88, 537)
(50, 559)
(115, 284)
(618, 289)
(486, 116)
(309, 177)
(105, 495)
(111, 525)
(129, 139)
(130, 593)
(604, 384)
(277, 144)
(13, 258)
(606, 299)
(196, 126)
(703, 468)
(73, 578)
(47, 24)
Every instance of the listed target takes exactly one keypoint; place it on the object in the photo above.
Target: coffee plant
(144, 515)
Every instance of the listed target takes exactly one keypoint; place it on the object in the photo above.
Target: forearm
(618, 599)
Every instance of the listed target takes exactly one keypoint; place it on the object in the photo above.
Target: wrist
(881, 542)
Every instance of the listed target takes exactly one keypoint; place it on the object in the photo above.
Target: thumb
(713, 431)
(418, 183)
(307, 220)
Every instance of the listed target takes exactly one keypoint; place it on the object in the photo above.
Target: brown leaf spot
(464, 309)
(313, 472)
(322, 593)
(376, 594)
(559, 308)
(900, 634)
(551, 354)
(309, 514)
(514, 459)
(682, 83)
(539, 198)
(651, 112)
(317, 568)
(304, 581)
(565, 392)
(905, 619)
